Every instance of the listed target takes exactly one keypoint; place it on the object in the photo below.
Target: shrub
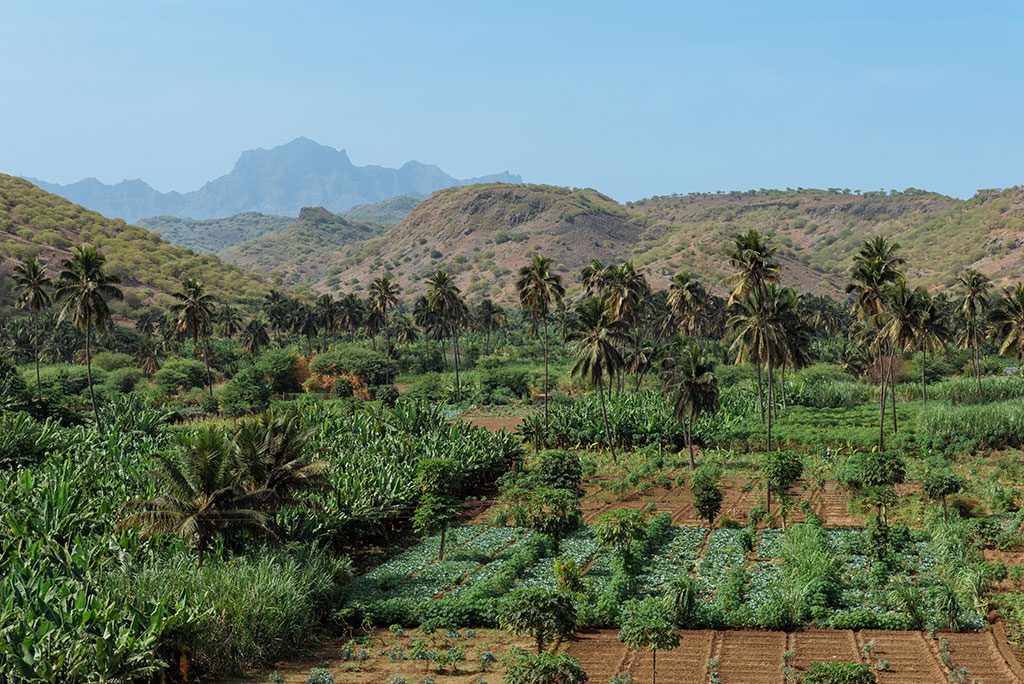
(385, 394)
(373, 368)
(514, 381)
(248, 392)
(110, 361)
(181, 374)
(839, 673)
(284, 370)
(123, 380)
(23, 440)
(545, 668)
(560, 469)
(542, 614)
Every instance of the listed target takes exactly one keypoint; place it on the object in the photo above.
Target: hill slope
(36, 223)
(386, 212)
(215, 235)
(300, 253)
(278, 181)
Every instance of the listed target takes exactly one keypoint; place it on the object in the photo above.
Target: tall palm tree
(384, 295)
(193, 316)
(689, 380)
(85, 288)
(350, 314)
(875, 268)
(975, 288)
(597, 337)
(444, 299)
(254, 336)
(904, 321)
(1010, 322)
(230, 321)
(540, 290)
(931, 333)
(305, 322)
(200, 498)
(687, 300)
(276, 306)
(489, 318)
(326, 310)
(405, 329)
(33, 296)
(592, 276)
(753, 258)
(752, 342)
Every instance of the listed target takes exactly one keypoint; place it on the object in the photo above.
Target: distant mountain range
(278, 181)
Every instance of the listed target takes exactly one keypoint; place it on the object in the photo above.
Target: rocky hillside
(36, 223)
(302, 252)
(386, 212)
(215, 235)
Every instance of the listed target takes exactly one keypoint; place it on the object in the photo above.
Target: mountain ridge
(276, 181)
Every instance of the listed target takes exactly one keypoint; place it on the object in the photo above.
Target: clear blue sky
(631, 98)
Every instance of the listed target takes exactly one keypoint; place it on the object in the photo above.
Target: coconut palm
(384, 295)
(277, 308)
(444, 299)
(592, 276)
(350, 314)
(488, 318)
(687, 301)
(540, 290)
(689, 380)
(1010, 322)
(254, 336)
(85, 287)
(974, 288)
(905, 318)
(404, 328)
(305, 322)
(200, 498)
(230, 321)
(326, 309)
(597, 337)
(931, 333)
(33, 285)
(193, 316)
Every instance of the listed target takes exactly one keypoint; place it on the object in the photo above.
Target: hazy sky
(631, 98)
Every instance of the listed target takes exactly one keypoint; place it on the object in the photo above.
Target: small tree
(539, 613)
(644, 625)
(880, 471)
(618, 529)
(679, 597)
(940, 483)
(434, 514)
(781, 470)
(707, 496)
(560, 469)
(554, 512)
(545, 668)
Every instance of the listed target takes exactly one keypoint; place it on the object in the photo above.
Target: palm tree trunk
(35, 352)
(689, 438)
(760, 394)
(892, 389)
(458, 381)
(206, 358)
(924, 388)
(604, 415)
(782, 384)
(88, 371)
(771, 394)
(881, 403)
(545, 378)
(977, 360)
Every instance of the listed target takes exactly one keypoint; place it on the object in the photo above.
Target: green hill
(215, 235)
(387, 212)
(36, 223)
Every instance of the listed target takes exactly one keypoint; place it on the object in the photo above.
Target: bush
(23, 440)
(342, 388)
(181, 374)
(385, 394)
(839, 673)
(514, 381)
(110, 361)
(123, 380)
(283, 369)
(248, 392)
(373, 368)
(560, 469)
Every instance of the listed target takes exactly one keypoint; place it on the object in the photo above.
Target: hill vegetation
(215, 235)
(386, 212)
(35, 223)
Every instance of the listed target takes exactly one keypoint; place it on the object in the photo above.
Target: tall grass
(997, 425)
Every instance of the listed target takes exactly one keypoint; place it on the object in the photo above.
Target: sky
(632, 98)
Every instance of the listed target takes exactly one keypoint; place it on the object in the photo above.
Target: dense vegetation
(220, 486)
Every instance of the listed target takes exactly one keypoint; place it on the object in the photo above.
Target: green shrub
(839, 673)
(373, 368)
(110, 361)
(181, 374)
(123, 380)
(282, 369)
(515, 381)
(248, 392)
(23, 440)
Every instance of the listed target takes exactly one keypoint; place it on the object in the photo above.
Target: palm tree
(276, 306)
(200, 496)
(931, 332)
(193, 316)
(753, 257)
(875, 267)
(687, 300)
(384, 295)
(1010, 322)
(689, 380)
(489, 318)
(149, 355)
(597, 336)
(973, 305)
(592, 276)
(326, 310)
(752, 342)
(85, 288)
(254, 336)
(444, 299)
(230, 321)
(907, 312)
(33, 296)
(305, 322)
(539, 291)
(405, 329)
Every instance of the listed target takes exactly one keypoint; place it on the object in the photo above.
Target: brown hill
(36, 223)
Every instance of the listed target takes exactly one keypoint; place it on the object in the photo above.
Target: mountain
(386, 212)
(214, 235)
(36, 223)
(298, 253)
(278, 181)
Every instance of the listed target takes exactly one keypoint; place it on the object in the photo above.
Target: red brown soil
(912, 659)
(824, 645)
(987, 661)
(750, 656)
